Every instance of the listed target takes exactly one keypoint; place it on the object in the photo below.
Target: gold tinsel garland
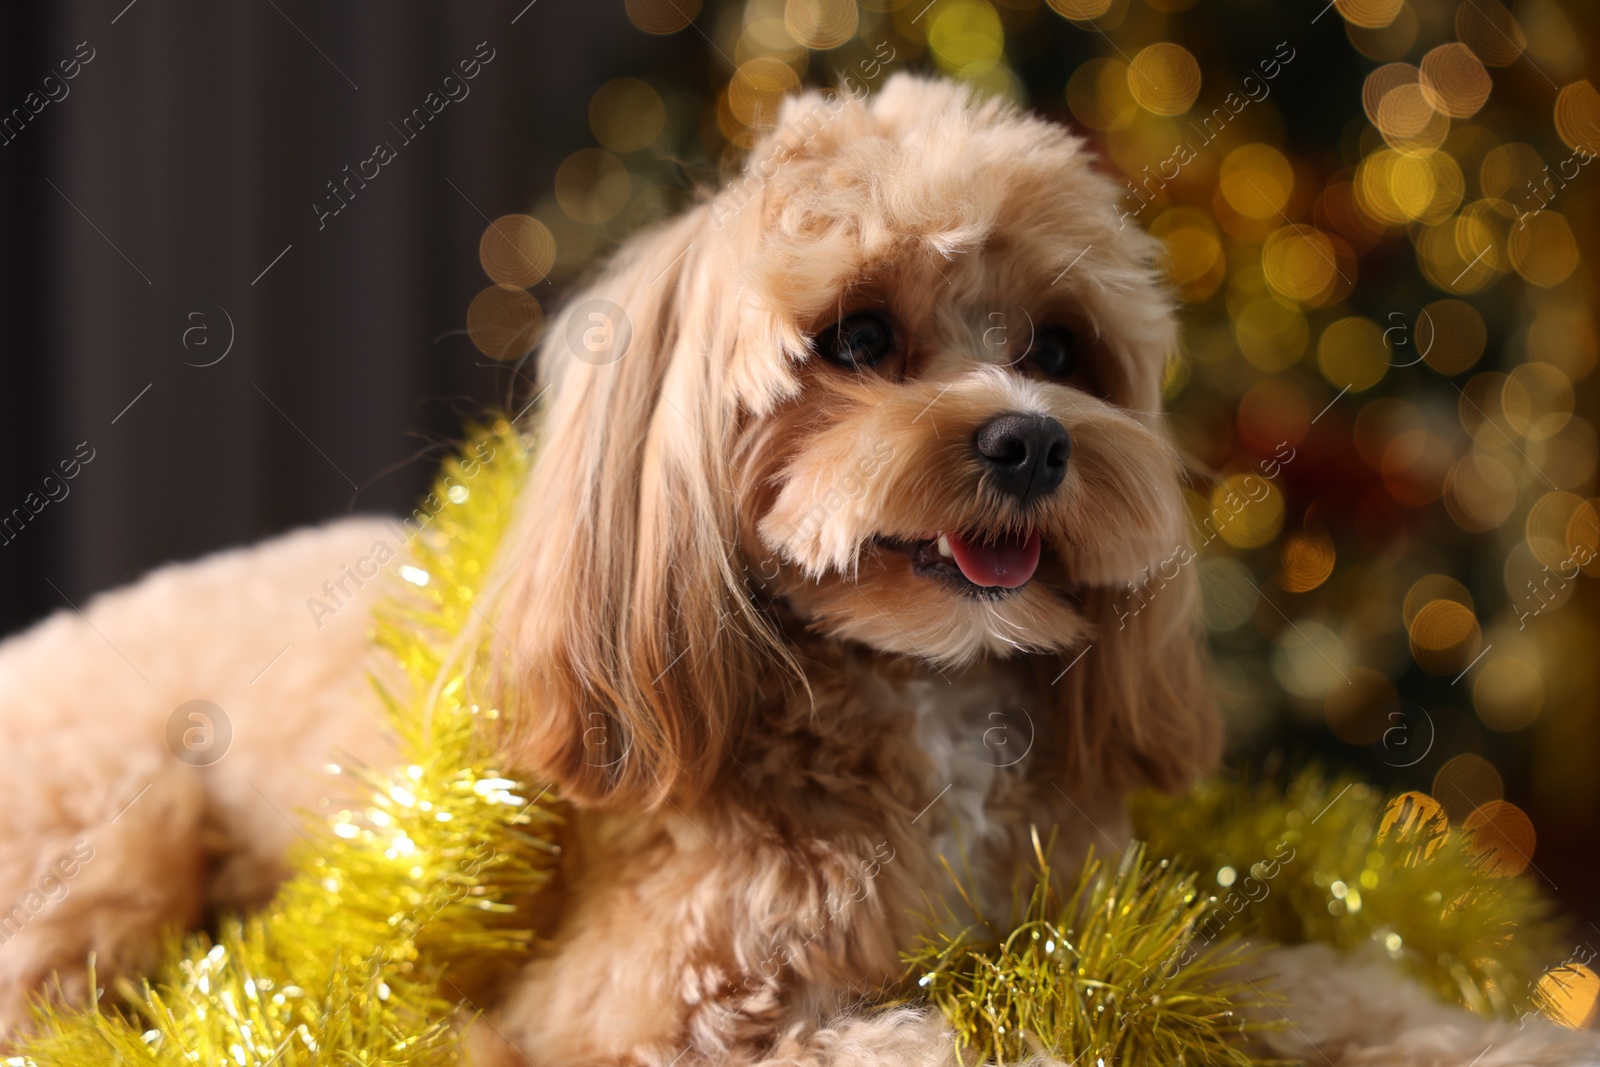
(1334, 860)
(1134, 967)
(397, 912)
(1112, 974)
(349, 963)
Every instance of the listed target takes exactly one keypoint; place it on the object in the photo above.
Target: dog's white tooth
(944, 547)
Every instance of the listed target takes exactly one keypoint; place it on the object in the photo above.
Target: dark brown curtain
(160, 203)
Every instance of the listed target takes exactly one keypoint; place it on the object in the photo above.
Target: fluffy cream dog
(850, 481)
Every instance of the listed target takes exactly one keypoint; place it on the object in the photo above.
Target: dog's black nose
(1026, 454)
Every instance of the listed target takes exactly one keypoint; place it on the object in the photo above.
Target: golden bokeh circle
(1415, 465)
(820, 24)
(1368, 13)
(592, 185)
(1271, 336)
(1380, 82)
(1502, 838)
(1536, 580)
(661, 17)
(1486, 27)
(1449, 185)
(1351, 352)
(1460, 254)
(1080, 10)
(1396, 188)
(1098, 94)
(1248, 510)
(995, 81)
(1583, 538)
(1454, 81)
(1427, 589)
(1537, 400)
(740, 136)
(516, 251)
(1413, 185)
(504, 323)
(1416, 819)
(1388, 42)
(1406, 118)
(1301, 264)
(1568, 457)
(1480, 492)
(1445, 636)
(1339, 206)
(1487, 215)
(1245, 229)
(1164, 78)
(1305, 561)
(1193, 260)
(1309, 658)
(626, 115)
(1508, 694)
(1578, 117)
(1375, 185)
(764, 34)
(757, 88)
(1569, 994)
(966, 37)
(1256, 180)
(1506, 171)
(1543, 250)
(1547, 526)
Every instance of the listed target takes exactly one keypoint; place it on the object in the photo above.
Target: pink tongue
(1006, 564)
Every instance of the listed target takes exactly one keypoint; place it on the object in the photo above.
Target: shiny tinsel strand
(348, 964)
(1334, 860)
(1111, 974)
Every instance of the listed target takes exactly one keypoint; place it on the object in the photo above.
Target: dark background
(173, 189)
(185, 158)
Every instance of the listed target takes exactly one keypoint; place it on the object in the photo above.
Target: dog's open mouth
(971, 563)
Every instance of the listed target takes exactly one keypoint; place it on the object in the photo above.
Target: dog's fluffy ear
(1136, 708)
(628, 641)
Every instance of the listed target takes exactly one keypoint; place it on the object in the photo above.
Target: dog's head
(897, 385)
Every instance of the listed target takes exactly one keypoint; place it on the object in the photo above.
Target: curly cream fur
(84, 709)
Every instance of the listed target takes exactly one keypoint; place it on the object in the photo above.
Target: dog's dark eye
(1055, 352)
(857, 341)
